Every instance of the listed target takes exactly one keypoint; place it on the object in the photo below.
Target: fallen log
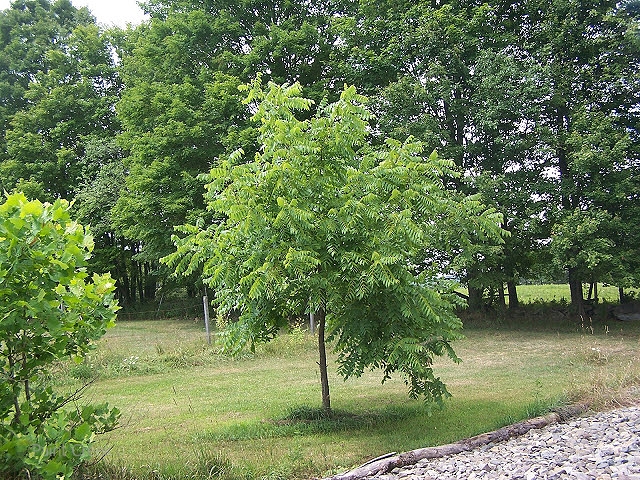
(386, 463)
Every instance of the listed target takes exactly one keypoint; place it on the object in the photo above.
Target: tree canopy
(320, 222)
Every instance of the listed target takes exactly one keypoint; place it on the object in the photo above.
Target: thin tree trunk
(149, 282)
(27, 388)
(475, 298)
(324, 377)
(140, 283)
(133, 276)
(15, 388)
(513, 294)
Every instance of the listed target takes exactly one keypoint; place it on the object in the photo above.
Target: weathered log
(388, 462)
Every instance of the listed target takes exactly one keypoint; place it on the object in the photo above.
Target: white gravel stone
(603, 446)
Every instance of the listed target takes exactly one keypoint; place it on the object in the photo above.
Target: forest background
(537, 104)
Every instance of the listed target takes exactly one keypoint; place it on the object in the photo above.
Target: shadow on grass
(547, 317)
(210, 464)
(309, 421)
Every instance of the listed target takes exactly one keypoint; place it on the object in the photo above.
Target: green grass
(560, 293)
(187, 410)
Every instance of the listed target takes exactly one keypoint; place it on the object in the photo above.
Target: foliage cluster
(50, 309)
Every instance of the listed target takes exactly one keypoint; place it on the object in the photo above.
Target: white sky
(107, 12)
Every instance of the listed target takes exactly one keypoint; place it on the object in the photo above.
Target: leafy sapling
(320, 221)
(50, 309)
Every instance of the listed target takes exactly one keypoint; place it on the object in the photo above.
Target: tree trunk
(324, 377)
(475, 298)
(149, 282)
(501, 298)
(133, 275)
(123, 284)
(15, 388)
(513, 294)
(577, 295)
(140, 282)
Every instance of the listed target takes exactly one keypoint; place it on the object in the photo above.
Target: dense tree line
(536, 103)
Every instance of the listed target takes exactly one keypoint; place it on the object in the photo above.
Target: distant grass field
(560, 292)
(184, 405)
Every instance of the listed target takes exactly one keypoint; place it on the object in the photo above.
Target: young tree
(319, 221)
(49, 310)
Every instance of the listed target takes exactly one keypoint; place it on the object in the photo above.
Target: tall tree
(28, 31)
(590, 57)
(61, 85)
(285, 41)
(94, 203)
(434, 67)
(181, 108)
(515, 94)
(320, 221)
(177, 114)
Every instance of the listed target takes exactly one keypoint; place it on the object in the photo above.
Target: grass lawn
(561, 292)
(253, 416)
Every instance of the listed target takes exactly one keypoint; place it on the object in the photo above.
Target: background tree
(94, 203)
(181, 108)
(590, 58)
(29, 29)
(177, 113)
(504, 90)
(320, 222)
(49, 310)
(60, 87)
(426, 63)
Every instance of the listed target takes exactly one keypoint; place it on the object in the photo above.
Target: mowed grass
(561, 292)
(254, 415)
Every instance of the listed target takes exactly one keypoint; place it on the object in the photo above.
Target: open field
(181, 400)
(560, 292)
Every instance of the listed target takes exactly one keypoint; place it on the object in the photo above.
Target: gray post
(205, 301)
(312, 323)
